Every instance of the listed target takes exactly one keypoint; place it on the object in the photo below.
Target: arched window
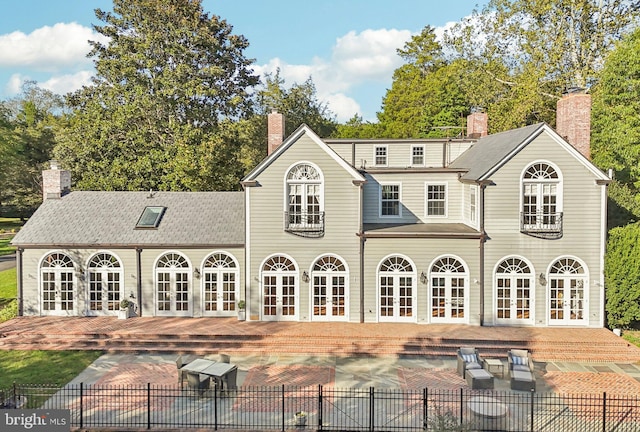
(396, 287)
(541, 200)
(515, 283)
(279, 288)
(305, 207)
(105, 277)
(329, 287)
(449, 281)
(220, 283)
(57, 284)
(567, 292)
(172, 285)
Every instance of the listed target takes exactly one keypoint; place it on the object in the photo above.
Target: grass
(8, 225)
(632, 336)
(44, 367)
(5, 247)
(8, 284)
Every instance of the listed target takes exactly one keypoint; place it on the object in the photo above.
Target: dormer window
(417, 156)
(380, 156)
(151, 217)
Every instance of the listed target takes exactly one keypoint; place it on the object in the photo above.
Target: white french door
(514, 292)
(279, 297)
(105, 289)
(57, 285)
(330, 290)
(567, 293)
(173, 286)
(449, 291)
(396, 290)
(220, 285)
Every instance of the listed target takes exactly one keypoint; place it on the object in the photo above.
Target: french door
(567, 293)
(330, 294)
(105, 285)
(279, 289)
(396, 290)
(57, 289)
(173, 292)
(220, 285)
(514, 292)
(449, 291)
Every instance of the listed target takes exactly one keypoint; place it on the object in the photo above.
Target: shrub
(622, 276)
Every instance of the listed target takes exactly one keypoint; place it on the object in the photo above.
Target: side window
(390, 200)
(380, 156)
(417, 156)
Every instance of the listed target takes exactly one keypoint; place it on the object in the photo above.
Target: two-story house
(503, 229)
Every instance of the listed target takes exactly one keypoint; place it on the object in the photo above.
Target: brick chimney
(477, 125)
(275, 131)
(55, 182)
(573, 120)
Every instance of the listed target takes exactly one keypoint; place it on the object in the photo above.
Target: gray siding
(582, 233)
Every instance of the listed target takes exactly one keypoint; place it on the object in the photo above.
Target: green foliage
(5, 247)
(356, 127)
(622, 276)
(38, 367)
(9, 310)
(526, 53)
(26, 142)
(157, 115)
(616, 125)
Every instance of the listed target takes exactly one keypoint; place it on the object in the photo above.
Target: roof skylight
(151, 217)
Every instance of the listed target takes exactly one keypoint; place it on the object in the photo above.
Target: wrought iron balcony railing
(306, 224)
(539, 224)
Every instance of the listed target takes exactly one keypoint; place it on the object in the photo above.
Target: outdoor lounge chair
(521, 370)
(468, 358)
(182, 374)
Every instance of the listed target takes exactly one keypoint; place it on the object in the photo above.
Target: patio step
(613, 349)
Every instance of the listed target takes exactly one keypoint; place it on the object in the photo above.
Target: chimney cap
(54, 164)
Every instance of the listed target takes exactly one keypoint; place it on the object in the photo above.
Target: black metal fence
(325, 408)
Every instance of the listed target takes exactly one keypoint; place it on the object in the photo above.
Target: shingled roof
(99, 219)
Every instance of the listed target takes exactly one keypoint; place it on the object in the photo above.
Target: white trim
(87, 283)
(539, 202)
(347, 289)
(295, 274)
(427, 216)
(414, 289)
(302, 130)
(467, 284)
(603, 251)
(424, 155)
(399, 215)
(375, 154)
(532, 290)
(202, 281)
(155, 286)
(247, 253)
(75, 281)
(295, 182)
(585, 321)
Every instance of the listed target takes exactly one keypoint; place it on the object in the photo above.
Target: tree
(426, 97)
(622, 273)
(356, 127)
(535, 50)
(157, 114)
(616, 126)
(26, 143)
(299, 104)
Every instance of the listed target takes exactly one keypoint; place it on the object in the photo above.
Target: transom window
(448, 265)
(279, 263)
(380, 156)
(541, 204)
(304, 213)
(567, 266)
(390, 200)
(329, 263)
(396, 264)
(436, 199)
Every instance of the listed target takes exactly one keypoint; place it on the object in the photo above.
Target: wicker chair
(468, 358)
(198, 382)
(521, 371)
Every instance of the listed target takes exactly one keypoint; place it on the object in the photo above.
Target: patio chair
(225, 358)
(521, 370)
(468, 358)
(182, 374)
(198, 382)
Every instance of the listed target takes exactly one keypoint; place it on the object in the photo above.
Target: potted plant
(300, 418)
(126, 309)
(241, 310)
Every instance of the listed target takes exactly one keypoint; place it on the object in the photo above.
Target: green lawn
(5, 247)
(10, 224)
(8, 284)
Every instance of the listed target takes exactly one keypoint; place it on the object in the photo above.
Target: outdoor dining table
(210, 367)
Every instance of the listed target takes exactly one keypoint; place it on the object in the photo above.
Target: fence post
(371, 409)
(532, 409)
(425, 408)
(215, 405)
(461, 406)
(319, 407)
(148, 405)
(283, 412)
(81, 403)
(15, 395)
(604, 412)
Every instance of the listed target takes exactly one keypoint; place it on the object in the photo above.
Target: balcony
(304, 224)
(542, 225)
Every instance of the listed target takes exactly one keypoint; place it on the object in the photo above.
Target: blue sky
(347, 46)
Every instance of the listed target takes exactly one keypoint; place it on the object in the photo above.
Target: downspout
(20, 283)
(139, 276)
(483, 239)
(362, 240)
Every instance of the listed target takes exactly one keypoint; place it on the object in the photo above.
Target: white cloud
(65, 45)
(357, 58)
(67, 83)
(14, 85)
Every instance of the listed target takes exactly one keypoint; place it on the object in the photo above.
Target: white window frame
(413, 162)
(540, 183)
(426, 200)
(304, 184)
(375, 155)
(473, 204)
(399, 185)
